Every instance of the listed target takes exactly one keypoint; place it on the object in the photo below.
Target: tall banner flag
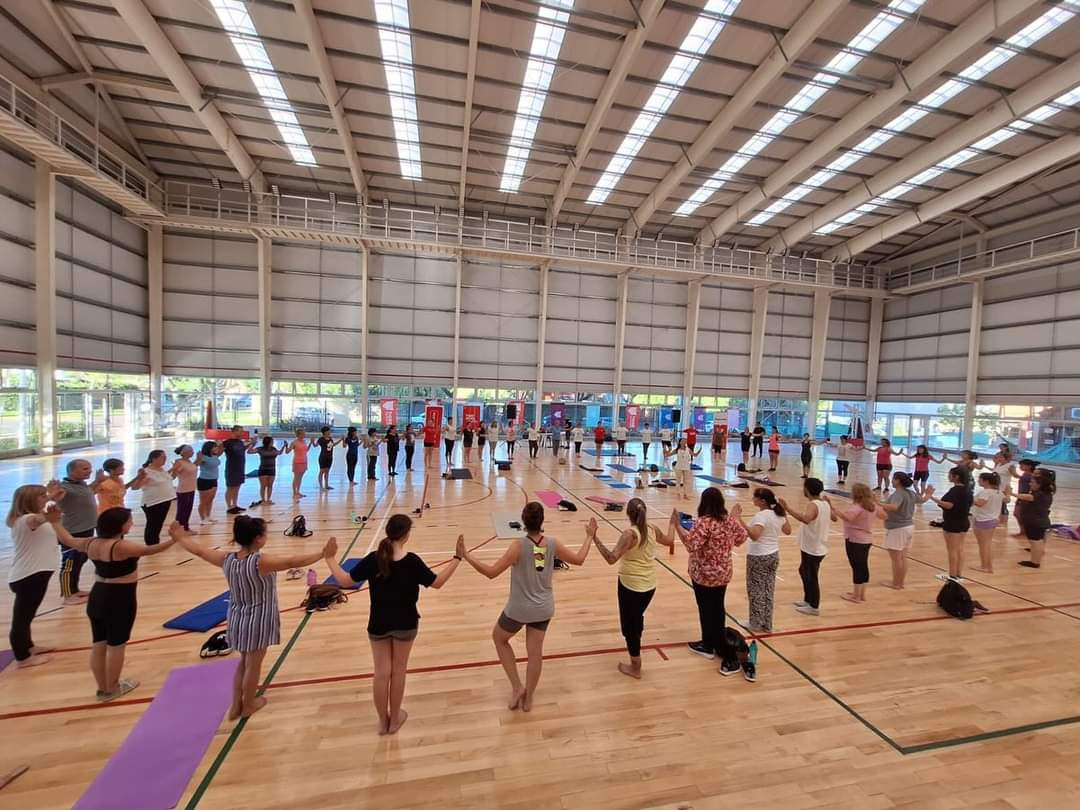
(470, 416)
(432, 424)
(699, 419)
(519, 419)
(558, 414)
(633, 417)
(388, 411)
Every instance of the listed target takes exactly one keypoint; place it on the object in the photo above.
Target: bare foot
(234, 710)
(395, 725)
(984, 570)
(257, 704)
(851, 597)
(515, 699)
(526, 702)
(384, 726)
(34, 661)
(36, 650)
(892, 585)
(626, 669)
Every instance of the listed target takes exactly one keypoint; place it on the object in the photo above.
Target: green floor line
(219, 760)
(989, 735)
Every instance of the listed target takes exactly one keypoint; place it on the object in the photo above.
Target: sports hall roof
(761, 123)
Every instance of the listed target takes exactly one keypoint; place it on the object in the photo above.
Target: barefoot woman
(531, 561)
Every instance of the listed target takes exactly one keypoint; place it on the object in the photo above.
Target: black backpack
(567, 506)
(955, 600)
(298, 528)
(323, 597)
(217, 644)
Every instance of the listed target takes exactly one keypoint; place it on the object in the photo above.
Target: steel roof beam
(164, 54)
(470, 81)
(975, 30)
(647, 13)
(335, 99)
(780, 58)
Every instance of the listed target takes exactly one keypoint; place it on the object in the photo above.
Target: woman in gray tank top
(531, 561)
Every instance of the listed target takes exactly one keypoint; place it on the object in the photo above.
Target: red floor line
(75, 708)
(661, 653)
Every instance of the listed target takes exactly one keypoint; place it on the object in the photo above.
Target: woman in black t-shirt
(351, 443)
(326, 456)
(955, 508)
(1036, 514)
(394, 577)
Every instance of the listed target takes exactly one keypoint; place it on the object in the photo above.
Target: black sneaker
(749, 671)
(561, 566)
(937, 524)
(236, 510)
(255, 503)
(700, 648)
(729, 668)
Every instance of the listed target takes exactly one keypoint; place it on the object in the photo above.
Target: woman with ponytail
(157, 495)
(763, 557)
(253, 622)
(394, 577)
(637, 577)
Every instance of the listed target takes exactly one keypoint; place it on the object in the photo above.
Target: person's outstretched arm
(270, 563)
(492, 570)
(211, 555)
(612, 556)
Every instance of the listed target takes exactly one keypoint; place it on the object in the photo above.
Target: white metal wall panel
(579, 346)
(211, 305)
(1030, 347)
(500, 310)
(846, 347)
(17, 343)
(785, 364)
(655, 347)
(316, 312)
(722, 365)
(411, 319)
(924, 343)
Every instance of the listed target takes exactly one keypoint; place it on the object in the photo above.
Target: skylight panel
(872, 35)
(539, 70)
(1029, 35)
(977, 149)
(238, 24)
(696, 44)
(395, 41)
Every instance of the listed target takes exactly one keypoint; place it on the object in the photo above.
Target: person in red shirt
(599, 434)
(431, 436)
(691, 437)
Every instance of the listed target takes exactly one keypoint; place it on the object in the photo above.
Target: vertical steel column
(873, 358)
(45, 302)
(457, 334)
(693, 310)
(541, 337)
(818, 338)
(971, 389)
(757, 352)
(265, 253)
(620, 341)
(155, 278)
(364, 302)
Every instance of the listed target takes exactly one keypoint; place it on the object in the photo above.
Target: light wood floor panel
(683, 737)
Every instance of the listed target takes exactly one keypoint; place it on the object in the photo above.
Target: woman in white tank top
(813, 540)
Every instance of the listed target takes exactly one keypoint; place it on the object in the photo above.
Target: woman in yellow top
(109, 485)
(637, 577)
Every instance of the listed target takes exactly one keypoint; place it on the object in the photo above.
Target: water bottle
(753, 653)
(312, 578)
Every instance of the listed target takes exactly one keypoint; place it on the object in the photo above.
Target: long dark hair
(111, 522)
(246, 530)
(208, 447)
(153, 454)
(396, 528)
(637, 512)
(712, 504)
(767, 496)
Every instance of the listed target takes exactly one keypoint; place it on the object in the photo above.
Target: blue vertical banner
(699, 419)
(665, 417)
(592, 415)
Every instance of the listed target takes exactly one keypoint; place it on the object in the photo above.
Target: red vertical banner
(388, 411)
(432, 424)
(633, 417)
(520, 405)
(470, 416)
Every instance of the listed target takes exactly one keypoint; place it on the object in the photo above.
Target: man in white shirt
(620, 439)
(646, 440)
(665, 438)
(533, 437)
(577, 435)
(449, 435)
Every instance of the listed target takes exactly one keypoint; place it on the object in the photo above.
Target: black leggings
(371, 462)
(808, 570)
(534, 448)
(632, 607)
(757, 447)
(842, 468)
(350, 465)
(184, 502)
(29, 591)
(622, 447)
(409, 450)
(391, 460)
(155, 520)
(858, 555)
(711, 615)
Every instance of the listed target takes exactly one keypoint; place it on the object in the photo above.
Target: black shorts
(270, 473)
(111, 609)
(1035, 532)
(325, 461)
(235, 478)
(396, 635)
(512, 625)
(480, 441)
(205, 484)
(884, 467)
(923, 475)
(429, 444)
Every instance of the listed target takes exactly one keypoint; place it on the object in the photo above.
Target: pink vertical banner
(519, 419)
(470, 416)
(633, 417)
(558, 413)
(388, 411)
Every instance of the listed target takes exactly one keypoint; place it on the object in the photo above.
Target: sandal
(294, 573)
(122, 688)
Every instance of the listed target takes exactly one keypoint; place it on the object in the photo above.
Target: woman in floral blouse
(715, 533)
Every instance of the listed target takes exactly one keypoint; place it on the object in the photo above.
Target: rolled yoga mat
(202, 617)
(549, 497)
(603, 500)
(348, 565)
(154, 764)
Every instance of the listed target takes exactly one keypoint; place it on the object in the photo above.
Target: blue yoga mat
(712, 479)
(696, 467)
(202, 617)
(617, 485)
(623, 468)
(603, 477)
(606, 452)
(348, 565)
(841, 492)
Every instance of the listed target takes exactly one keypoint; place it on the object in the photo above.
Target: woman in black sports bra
(112, 603)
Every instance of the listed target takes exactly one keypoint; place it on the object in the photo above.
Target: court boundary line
(895, 745)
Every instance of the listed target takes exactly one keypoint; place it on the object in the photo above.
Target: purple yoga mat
(152, 767)
(548, 497)
(6, 657)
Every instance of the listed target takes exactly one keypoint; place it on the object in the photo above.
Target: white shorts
(899, 539)
(682, 477)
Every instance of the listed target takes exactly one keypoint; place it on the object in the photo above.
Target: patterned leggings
(761, 587)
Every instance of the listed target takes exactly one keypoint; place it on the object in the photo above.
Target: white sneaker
(801, 604)
(809, 611)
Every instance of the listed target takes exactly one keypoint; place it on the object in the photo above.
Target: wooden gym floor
(881, 705)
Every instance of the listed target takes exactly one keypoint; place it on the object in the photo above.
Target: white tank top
(814, 536)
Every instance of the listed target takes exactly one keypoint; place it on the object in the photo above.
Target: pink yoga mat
(549, 497)
(152, 767)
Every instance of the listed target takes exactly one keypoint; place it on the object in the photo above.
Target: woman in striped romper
(253, 620)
